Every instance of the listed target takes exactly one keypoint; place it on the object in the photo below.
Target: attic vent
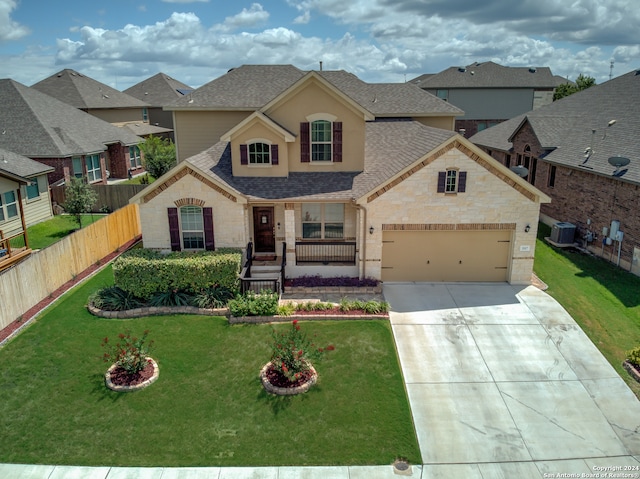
(532, 70)
(462, 69)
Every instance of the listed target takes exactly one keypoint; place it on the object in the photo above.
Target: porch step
(261, 270)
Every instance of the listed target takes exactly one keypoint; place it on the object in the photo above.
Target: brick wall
(579, 195)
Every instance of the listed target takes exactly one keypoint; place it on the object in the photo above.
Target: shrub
(170, 298)
(286, 309)
(143, 272)
(369, 307)
(112, 298)
(129, 352)
(292, 351)
(254, 304)
(633, 356)
(214, 297)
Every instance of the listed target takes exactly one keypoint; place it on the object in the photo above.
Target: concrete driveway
(503, 383)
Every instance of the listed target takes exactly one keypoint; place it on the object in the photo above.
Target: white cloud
(303, 19)
(247, 18)
(9, 29)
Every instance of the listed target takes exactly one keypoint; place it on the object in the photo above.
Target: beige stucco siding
(118, 115)
(442, 122)
(487, 201)
(258, 131)
(314, 99)
(228, 216)
(195, 131)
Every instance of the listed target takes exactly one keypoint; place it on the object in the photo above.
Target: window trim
(33, 183)
(183, 230)
(135, 160)
(307, 143)
(92, 171)
(322, 221)
(5, 204)
(551, 180)
(459, 186)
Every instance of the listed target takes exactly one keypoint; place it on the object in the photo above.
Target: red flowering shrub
(128, 352)
(292, 351)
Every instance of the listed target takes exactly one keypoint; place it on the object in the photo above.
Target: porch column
(290, 232)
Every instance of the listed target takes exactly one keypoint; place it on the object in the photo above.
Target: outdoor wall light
(370, 230)
(527, 228)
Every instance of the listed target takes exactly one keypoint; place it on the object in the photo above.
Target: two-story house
(108, 104)
(159, 90)
(346, 177)
(583, 151)
(489, 93)
(72, 142)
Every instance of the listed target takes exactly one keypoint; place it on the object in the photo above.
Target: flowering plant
(129, 352)
(292, 352)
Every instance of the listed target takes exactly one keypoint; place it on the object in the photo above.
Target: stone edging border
(302, 317)
(155, 311)
(137, 387)
(631, 369)
(335, 289)
(287, 391)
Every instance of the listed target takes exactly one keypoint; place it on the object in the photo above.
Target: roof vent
(532, 70)
(462, 69)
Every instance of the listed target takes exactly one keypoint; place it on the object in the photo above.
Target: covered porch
(14, 244)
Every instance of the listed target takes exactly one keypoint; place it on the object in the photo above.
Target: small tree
(582, 83)
(159, 155)
(80, 198)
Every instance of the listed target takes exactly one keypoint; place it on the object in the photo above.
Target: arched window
(259, 154)
(191, 225)
(321, 139)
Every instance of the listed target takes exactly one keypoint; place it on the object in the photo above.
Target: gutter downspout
(362, 250)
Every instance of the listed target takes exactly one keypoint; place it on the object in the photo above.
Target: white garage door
(445, 255)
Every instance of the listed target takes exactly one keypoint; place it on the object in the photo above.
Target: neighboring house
(106, 103)
(71, 141)
(583, 151)
(24, 200)
(158, 91)
(489, 93)
(347, 177)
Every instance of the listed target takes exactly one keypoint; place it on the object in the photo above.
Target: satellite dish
(520, 170)
(618, 161)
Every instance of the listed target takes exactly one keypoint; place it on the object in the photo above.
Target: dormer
(259, 147)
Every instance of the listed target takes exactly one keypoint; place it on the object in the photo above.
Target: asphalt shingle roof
(159, 90)
(83, 92)
(390, 147)
(488, 75)
(251, 87)
(566, 127)
(37, 125)
(20, 165)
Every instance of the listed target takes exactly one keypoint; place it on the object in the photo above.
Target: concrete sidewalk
(502, 383)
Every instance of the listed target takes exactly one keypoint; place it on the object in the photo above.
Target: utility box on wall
(563, 233)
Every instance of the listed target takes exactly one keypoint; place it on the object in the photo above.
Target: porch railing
(272, 282)
(326, 252)
(12, 244)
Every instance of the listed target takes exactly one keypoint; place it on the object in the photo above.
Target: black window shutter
(207, 216)
(442, 179)
(305, 143)
(244, 155)
(174, 228)
(337, 141)
(462, 181)
(274, 154)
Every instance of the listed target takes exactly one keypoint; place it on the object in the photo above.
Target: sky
(122, 42)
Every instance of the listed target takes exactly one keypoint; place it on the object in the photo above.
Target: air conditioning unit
(563, 233)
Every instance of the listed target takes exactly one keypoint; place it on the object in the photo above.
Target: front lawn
(602, 298)
(48, 232)
(208, 406)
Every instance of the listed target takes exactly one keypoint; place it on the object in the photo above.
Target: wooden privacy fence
(35, 278)
(112, 197)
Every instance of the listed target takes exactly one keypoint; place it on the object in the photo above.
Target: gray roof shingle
(565, 127)
(488, 75)
(391, 146)
(159, 90)
(39, 126)
(83, 92)
(20, 165)
(251, 87)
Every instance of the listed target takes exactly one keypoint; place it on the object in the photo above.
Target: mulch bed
(336, 312)
(31, 312)
(276, 378)
(120, 377)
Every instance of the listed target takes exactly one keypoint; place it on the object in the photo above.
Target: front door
(263, 229)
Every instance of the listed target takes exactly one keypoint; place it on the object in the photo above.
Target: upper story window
(145, 114)
(32, 190)
(259, 153)
(452, 181)
(321, 140)
(443, 94)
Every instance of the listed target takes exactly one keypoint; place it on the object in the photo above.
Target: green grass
(602, 298)
(208, 406)
(138, 180)
(48, 232)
